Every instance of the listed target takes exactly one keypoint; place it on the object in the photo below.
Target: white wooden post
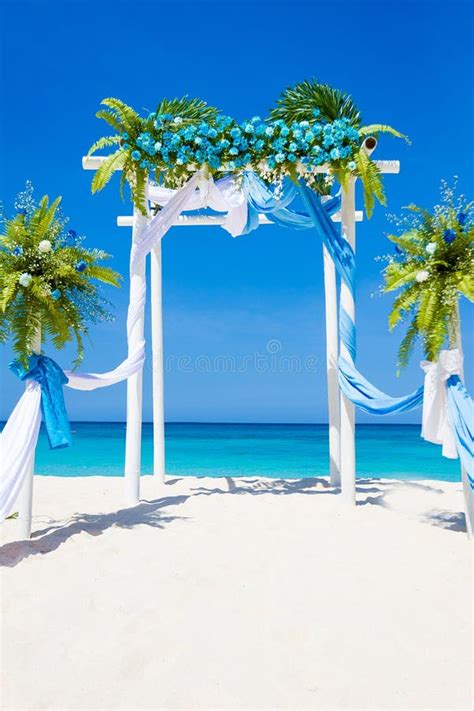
(468, 493)
(25, 497)
(348, 470)
(157, 364)
(133, 439)
(334, 420)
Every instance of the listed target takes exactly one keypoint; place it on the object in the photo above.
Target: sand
(238, 594)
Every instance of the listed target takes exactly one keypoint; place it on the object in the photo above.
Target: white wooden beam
(195, 220)
(385, 166)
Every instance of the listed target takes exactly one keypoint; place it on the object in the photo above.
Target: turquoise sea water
(274, 450)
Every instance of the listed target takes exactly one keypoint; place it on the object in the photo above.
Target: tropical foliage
(312, 125)
(300, 102)
(48, 279)
(432, 267)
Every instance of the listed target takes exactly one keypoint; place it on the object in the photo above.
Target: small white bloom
(44, 246)
(178, 120)
(25, 279)
(422, 275)
(431, 247)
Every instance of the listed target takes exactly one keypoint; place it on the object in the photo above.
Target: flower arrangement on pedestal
(433, 266)
(312, 125)
(48, 278)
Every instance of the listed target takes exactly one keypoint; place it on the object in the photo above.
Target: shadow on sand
(153, 513)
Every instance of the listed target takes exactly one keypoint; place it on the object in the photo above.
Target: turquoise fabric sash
(51, 378)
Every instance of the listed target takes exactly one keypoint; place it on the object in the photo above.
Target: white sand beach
(238, 594)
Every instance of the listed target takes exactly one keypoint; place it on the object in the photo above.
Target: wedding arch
(187, 165)
(231, 203)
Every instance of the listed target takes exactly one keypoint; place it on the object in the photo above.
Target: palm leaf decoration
(310, 101)
(193, 110)
(433, 268)
(129, 125)
(298, 103)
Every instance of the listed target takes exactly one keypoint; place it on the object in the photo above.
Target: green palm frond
(297, 103)
(376, 128)
(371, 180)
(189, 109)
(111, 119)
(104, 173)
(127, 117)
(407, 345)
(103, 142)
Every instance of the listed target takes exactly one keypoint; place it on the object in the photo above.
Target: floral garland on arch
(433, 266)
(47, 278)
(313, 124)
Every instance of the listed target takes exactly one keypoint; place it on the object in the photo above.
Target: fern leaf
(103, 142)
(106, 170)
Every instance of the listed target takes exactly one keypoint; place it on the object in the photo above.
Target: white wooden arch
(341, 412)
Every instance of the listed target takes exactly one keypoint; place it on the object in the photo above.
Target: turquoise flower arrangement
(184, 135)
(48, 279)
(433, 266)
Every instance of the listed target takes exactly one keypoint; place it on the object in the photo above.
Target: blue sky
(408, 64)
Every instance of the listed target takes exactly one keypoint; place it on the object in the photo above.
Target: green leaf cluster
(310, 99)
(49, 282)
(432, 268)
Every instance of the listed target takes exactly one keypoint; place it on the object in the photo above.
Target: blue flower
(125, 136)
(280, 157)
(236, 133)
(17, 251)
(269, 130)
(259, 144)
(136, 155)
(234, 151)
(291, 157)
(212, 133)
(284, 131)
(249, 128)
(56, 294)
(449, 236)
(461, 217)
(81, 266)
(352, 165)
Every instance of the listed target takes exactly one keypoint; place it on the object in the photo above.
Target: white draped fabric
(224, 196)
(435, 424)
(17, 446)
(19, 436)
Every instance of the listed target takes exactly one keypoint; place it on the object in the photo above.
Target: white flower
(25, 279)
(44, 246)
(431, 247)
(177, 120)
(422, 275)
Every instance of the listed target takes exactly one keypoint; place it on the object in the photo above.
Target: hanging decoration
(303, 133)
(48, 279)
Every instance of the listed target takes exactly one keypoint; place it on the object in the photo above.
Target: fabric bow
(436, 426)
(51, 379)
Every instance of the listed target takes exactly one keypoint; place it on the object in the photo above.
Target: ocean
(271, 450)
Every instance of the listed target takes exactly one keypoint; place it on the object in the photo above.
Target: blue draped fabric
(51, 378)
(371, 400)
(355, 387)
(353, 384)
(461, 418)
